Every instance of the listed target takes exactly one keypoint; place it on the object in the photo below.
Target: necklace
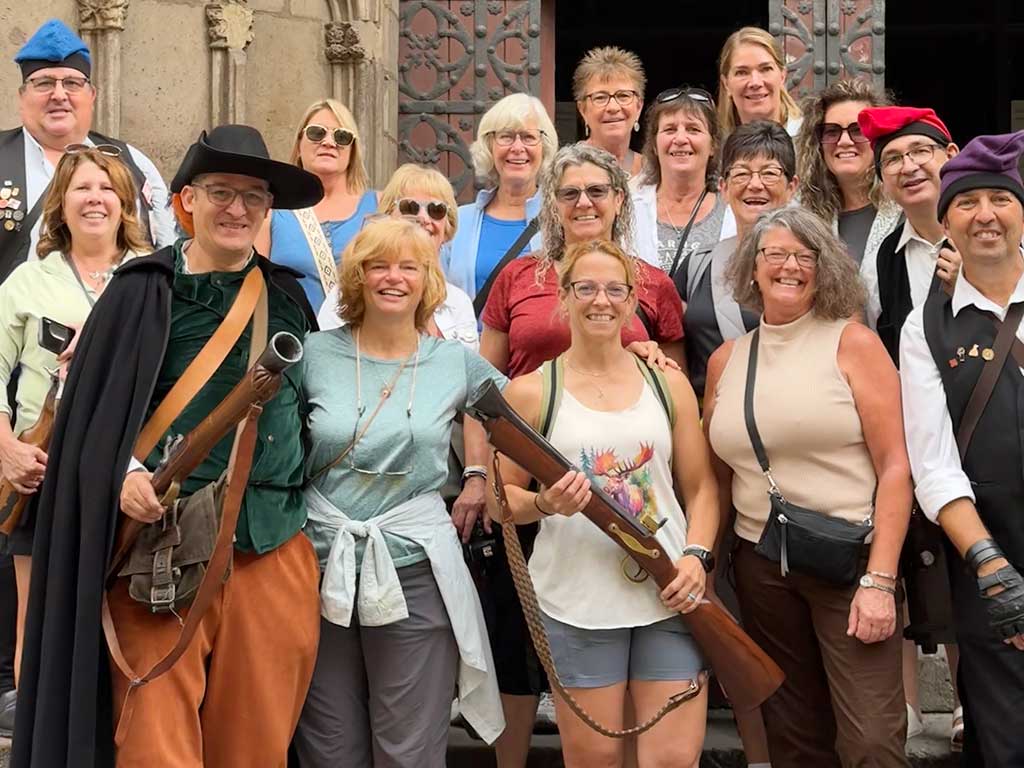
(388, 388)
(600, 392)
(100, 276)
(693, 211)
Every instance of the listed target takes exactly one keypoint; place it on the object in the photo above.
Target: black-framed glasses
(110, 150)
(585, 290)
(508, 138)
(594, 192)
(224, 197)
(779, 256)
(47, 84)
(694, 94)
(436, 209)
(623, 98)
(892, 163)
(769, 176)
(317, 133)
(831, 133)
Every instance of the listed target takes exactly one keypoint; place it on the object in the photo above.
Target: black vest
(15, 239)
(995, 459)
(893, 293)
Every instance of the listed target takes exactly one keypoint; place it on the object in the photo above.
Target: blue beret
(54, 45)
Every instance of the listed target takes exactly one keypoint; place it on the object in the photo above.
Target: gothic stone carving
(343, 44)
(230, 25)
(102, 14)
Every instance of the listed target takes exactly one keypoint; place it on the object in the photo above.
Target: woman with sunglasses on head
(837, 169)
(515, 140)
(89, 227)
(752, 82)
(678, 210)
(608, 87)
(608, 633)
(402, 627)
(310, 240)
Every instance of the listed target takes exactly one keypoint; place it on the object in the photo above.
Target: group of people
(710, 330)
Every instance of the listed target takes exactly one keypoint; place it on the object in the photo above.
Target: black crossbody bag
(801, 539)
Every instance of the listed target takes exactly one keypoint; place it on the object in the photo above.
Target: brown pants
(235, 695)
(842, 703)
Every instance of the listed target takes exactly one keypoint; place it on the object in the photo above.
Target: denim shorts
(595, 658)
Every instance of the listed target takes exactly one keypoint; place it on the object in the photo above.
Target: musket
(746, 672)
(54, 338)
(184, 453)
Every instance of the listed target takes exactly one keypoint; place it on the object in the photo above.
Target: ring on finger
(690, 596)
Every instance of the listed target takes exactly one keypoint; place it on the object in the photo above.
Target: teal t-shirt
(404, 453)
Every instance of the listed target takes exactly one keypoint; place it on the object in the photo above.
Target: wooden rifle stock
(185, 453)
(747, 673)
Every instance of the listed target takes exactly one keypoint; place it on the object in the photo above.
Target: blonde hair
(605, 63)
(389, 239)
(430, 180)
(356, 176)
(728, 117)
(54, 232)
(577, 251)
(511, 113)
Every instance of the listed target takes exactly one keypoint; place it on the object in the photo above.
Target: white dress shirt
(39, 171)
(931, 444)
(920, 256)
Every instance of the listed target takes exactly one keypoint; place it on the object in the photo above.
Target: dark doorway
(678, 43)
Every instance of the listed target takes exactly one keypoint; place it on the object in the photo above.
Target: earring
(636, 127)
(586, 130)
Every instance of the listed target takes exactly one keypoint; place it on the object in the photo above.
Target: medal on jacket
(11, 214)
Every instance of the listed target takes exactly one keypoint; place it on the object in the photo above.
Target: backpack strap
(657, 381)
(553, 377)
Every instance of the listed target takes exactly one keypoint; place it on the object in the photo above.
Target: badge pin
(974, 351)
(953, 362)
(960, 353)
(15, 204)
(18, 215)
(5, 192)
(15, 192)
(987, 354)
(8, 225)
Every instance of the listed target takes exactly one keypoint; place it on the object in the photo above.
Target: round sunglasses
(436, 209)
(317, 133)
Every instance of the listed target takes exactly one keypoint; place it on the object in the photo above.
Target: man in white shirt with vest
(963, 400)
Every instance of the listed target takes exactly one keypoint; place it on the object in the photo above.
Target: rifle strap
(535, 623)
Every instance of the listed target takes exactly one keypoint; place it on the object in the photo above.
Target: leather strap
(748, 404)
(205, 364)
(319, 247)
(524, 237)
(986, 384)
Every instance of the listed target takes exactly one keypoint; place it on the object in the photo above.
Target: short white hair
(511, 113)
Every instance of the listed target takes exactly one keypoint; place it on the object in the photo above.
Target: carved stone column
(230, 23)
(101, 23)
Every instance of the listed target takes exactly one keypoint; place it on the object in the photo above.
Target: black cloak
(65, 713)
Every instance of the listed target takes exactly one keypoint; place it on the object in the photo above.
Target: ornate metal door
(828, 40)
(455, 60)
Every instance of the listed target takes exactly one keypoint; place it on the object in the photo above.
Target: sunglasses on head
(104, 149)
(436, 209)
(317, 133)
(831, 133)
(694, 94)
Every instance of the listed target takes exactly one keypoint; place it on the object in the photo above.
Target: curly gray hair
(550, 220)
(838, 289)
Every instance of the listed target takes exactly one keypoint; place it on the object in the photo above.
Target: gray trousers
(381, 696)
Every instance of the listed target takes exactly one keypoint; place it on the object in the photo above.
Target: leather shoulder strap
(204, 365)
(319, 247)
(748, 404)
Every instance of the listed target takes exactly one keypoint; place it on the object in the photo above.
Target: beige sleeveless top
(805, 412)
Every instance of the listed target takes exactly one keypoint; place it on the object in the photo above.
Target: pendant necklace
(591, 374)
(101, 276)
(389, 387)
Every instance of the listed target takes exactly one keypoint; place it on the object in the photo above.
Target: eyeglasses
(584, 290)
(623, 98)
(742, 176)
(224, 197)
(436, 209)
(694, 94)
(892, 163)
(508, 138)
(45, 84)
(594, 192)
(778, 256)
(398, 462)
(831, 133)
(317, 133)
(104, 149)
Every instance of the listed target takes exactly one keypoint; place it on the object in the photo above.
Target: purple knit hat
(987, 162)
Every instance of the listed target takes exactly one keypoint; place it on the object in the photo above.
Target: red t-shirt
(528, 313)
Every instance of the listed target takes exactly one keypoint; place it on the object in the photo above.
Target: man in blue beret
(55, 102)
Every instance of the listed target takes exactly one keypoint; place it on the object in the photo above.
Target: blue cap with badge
(54, 45)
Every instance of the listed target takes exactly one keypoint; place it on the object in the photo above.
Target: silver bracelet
(881, 588)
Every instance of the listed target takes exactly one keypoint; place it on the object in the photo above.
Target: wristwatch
(869, 583)
(705, 555)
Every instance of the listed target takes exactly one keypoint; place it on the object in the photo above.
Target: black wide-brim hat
(240, 149)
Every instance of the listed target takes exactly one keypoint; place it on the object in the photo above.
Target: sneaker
(7, 704)
(915, 727)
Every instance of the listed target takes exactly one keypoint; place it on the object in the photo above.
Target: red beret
(883, 124)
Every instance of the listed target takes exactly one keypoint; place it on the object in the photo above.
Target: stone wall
(166, 69)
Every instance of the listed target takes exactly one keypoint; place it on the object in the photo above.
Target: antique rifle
(55, 338)
(747, 673)
(183, 454)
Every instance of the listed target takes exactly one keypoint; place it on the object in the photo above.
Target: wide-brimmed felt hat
(240, 149)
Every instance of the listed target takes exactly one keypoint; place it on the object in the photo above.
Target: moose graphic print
(626, 481)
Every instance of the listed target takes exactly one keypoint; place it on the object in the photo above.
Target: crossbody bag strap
(319, 247)
(686, 233)
(986, 384)
(204, 365)
(552, 381)
(524, 237)
(748, 405)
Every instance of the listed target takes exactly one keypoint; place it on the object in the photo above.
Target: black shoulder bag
(524, 237)
(800, 539)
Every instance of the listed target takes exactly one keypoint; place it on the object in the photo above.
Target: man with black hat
(235, 694)
(55, 102)
(965, 449)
